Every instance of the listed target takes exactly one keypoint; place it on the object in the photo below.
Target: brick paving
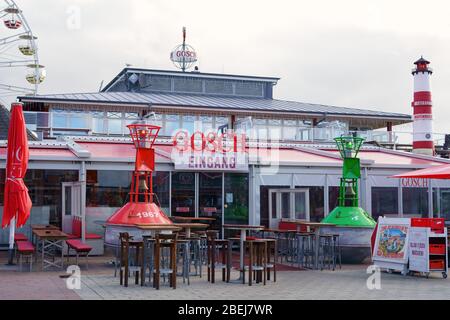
(99, 283)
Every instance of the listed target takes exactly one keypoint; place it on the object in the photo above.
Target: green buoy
(348, 213)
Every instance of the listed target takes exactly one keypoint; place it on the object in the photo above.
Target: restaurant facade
(226, 149)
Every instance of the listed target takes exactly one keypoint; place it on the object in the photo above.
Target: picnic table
(51, 241)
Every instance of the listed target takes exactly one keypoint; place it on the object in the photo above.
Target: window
(316, 203)
(183, 194)
(220, 121)
(98, 122)
(384, 201)
(289, 129)
(206, 124)
(44, 188)
(333, 197)
(415, 202)
(236, 198)
(161, 187)
(114, 122)
(188, 123)
(107, 188)
(441, 203)
(172, 124)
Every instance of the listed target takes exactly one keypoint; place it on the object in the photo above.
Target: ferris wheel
(20, 70)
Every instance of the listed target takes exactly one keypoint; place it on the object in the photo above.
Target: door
(210, 188)
(73, 205)
(290, 204)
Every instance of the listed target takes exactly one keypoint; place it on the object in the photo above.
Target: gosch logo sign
(414, 183)
(209, 151)
(209, 142)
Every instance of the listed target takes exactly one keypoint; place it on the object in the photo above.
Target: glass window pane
(115, 115)
(286, 205)
(316, 203)
(188, 123)
(236, 198)
(161, 186)
(172, 124)
(210, 197)
(59, 120)
(183, 194)
(300, 205)
(384, 201)
(415, 202)
(115, 126)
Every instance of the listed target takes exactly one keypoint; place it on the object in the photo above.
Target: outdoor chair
(257, 261)
(126, 246)
(219, 256)
(165, 259)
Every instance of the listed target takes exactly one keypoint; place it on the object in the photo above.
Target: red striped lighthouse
(423, 118)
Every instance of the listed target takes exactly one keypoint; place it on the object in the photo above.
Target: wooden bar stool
(127, 245)
(217, 249)
(257, 262)
(165, 264)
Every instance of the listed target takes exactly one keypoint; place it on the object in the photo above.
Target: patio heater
(354, 224)
(141, 208)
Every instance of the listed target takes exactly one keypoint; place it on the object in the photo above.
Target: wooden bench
(79, 247)
(25, 248)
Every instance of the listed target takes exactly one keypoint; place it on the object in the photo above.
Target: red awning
(438, 172)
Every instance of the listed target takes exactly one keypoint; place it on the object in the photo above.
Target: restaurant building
(282, 162)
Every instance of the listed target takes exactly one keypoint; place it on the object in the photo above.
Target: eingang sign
(210, 152)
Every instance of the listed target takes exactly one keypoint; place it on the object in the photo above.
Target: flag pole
(12, 231)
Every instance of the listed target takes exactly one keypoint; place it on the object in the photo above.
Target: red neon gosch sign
(209, 142)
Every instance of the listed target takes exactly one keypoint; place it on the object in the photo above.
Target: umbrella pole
(12, 230)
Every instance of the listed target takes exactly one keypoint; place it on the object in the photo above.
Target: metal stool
(272, 257)
(326, 252)
(148, 258)
(305, 249)
(336, 251)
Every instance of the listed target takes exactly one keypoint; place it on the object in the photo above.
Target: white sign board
(418, 250)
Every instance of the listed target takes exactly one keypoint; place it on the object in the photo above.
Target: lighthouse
(422, 109)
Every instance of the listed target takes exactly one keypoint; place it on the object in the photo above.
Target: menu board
(392, 240)
(418, 250)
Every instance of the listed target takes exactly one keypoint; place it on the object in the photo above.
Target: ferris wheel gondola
(20, 70)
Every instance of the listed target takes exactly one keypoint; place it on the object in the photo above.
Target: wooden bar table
(51, 241)
(243, 229)
(188, 226)
(317, 226)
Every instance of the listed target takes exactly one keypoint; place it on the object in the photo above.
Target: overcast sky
(352, 53)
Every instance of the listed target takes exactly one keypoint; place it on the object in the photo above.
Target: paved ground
(348, 283)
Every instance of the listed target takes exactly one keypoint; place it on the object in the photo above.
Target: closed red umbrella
(17, 202)
(437, 172)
